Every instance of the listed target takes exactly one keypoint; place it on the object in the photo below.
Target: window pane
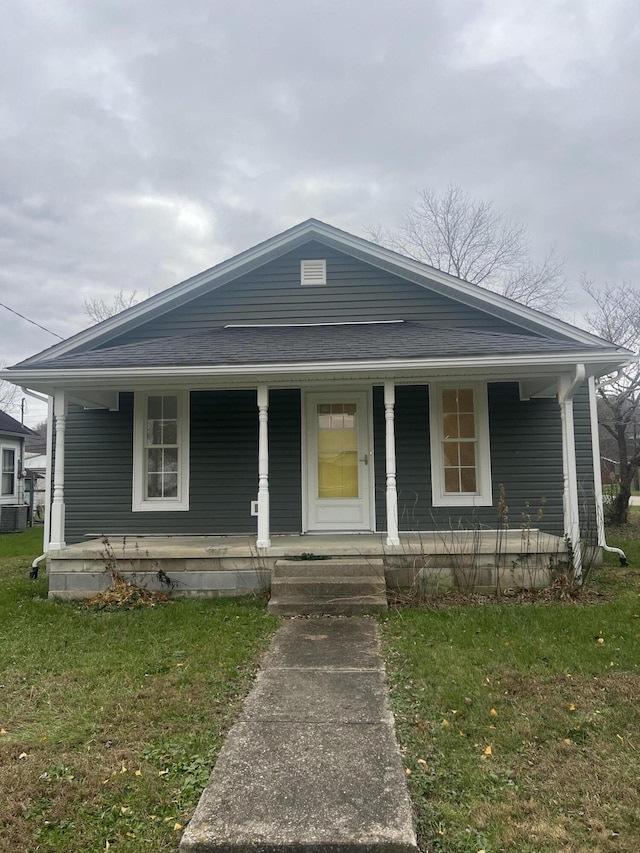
(154, 408)
(451, 480)
(7, 484)
(154, 433)
(468, 479)
(8, 461)
(170, 460)
(465, 399)
(154, 461)
(449, 400)
(170, 486)
(451, 451)
(467, 454)
(467, 426)
(154, 485)
(169, 432)
(170, 408)
(450, 425)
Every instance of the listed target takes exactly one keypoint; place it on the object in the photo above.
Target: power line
(33, 322)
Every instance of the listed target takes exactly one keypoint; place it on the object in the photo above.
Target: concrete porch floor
(467, 542)
(233, 565)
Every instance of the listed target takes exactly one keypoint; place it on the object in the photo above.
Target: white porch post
(56, 532)
(566, 389)
(263, 467)
(393, 537)
(47, 487)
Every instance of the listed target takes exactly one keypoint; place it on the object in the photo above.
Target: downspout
(597, 475)
(567, 388)
(33, 574)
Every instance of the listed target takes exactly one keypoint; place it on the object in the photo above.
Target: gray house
(321, 394)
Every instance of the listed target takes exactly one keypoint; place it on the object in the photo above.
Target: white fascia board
(275, 246)
(111, 377)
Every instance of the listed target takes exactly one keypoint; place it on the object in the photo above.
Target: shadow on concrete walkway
(313, 762)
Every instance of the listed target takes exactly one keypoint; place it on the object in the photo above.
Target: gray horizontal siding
(223, 460)
(354, 291)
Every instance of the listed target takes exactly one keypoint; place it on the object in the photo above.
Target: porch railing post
(263, 468)
(56, 533)
(393, 537)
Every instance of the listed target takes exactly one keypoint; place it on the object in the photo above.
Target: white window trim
(16, 456)
(139, 502)
(483, 496)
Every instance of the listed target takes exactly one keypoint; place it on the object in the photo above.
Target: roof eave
(597, 362)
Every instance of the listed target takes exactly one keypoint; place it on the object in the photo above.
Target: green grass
(520, 724)
(111, 721)
(27, 544)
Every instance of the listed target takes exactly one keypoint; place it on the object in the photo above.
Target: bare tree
(98, 310)
(471, 239)
(9, 395)
(617, 319)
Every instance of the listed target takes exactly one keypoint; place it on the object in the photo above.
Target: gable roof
(12, 426)
(312, 229)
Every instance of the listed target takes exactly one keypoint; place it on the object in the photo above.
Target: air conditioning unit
(13, 519)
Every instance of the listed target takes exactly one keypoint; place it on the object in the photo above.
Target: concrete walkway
(313, 763)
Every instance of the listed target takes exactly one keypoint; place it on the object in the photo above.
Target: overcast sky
(142, 141)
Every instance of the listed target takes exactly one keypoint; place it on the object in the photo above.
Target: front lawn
(519, 723)
(110, 722)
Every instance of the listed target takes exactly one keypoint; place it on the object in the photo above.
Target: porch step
(342, 587)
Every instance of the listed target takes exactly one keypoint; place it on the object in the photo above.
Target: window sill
(160, 506)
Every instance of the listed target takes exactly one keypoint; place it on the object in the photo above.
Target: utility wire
(33, 322)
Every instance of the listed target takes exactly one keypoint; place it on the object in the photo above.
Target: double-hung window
(8, 481)
(161, 452)
(460, 447)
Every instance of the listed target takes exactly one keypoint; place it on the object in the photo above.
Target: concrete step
(335, 567)
(327, 587)
(343, 606)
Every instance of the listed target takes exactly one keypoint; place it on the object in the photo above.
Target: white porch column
(56, 532)
(567, 387)
(47, 486)
(263, 467)
(393, 537)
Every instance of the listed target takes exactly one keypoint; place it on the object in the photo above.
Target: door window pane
(337, 448)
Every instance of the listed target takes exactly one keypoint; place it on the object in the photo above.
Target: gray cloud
(142, 142)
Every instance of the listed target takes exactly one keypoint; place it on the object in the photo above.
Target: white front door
(339, 462)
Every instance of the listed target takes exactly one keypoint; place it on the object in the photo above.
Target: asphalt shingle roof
(308, 344)
(11, 425)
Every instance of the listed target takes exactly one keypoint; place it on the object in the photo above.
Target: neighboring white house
(13, 510)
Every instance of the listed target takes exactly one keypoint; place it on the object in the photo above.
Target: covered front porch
(479, 559)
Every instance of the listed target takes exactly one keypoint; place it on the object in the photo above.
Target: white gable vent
(313, 272)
